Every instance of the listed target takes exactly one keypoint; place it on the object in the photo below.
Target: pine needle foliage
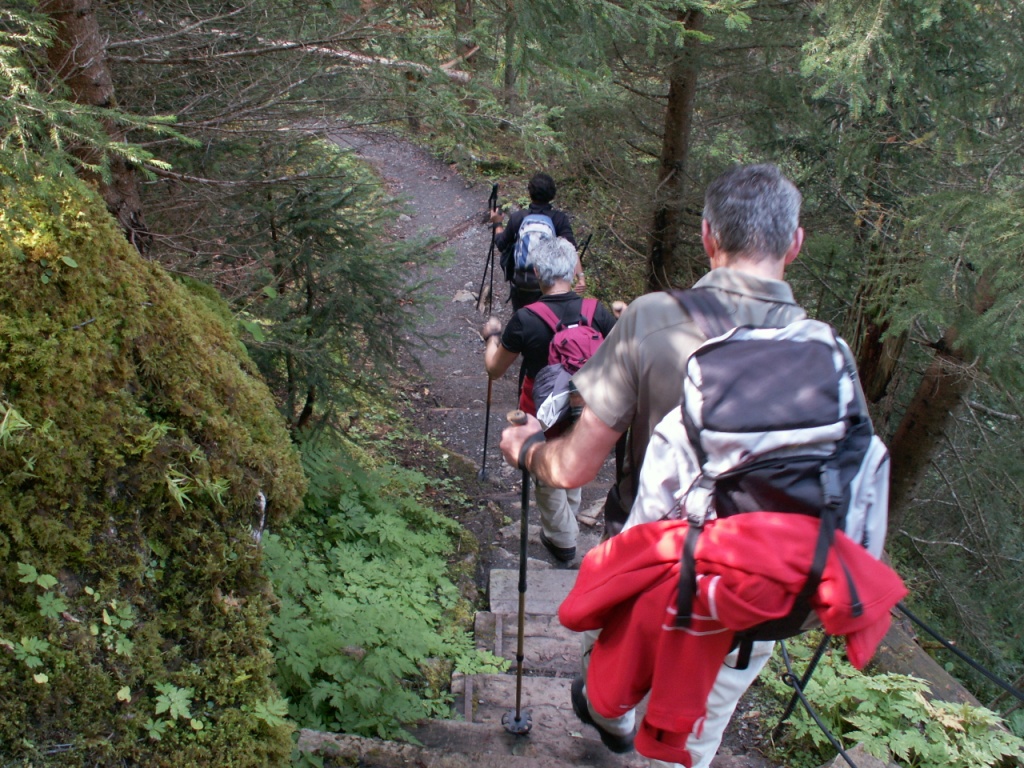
(42, 132)
(327, 301)
(369, 625)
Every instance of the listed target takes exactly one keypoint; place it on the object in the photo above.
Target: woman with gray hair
(555, 262)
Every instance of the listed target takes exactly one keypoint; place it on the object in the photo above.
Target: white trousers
(730, 685)
(558, 509)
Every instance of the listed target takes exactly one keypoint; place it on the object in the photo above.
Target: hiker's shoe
(617, 744)
(562, 554)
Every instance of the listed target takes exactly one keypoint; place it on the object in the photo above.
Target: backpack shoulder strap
(545, 313)
(587, 311)
(706, 310)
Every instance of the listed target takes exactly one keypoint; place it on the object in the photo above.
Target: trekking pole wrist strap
(536, 437)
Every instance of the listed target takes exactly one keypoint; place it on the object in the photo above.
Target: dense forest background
(201, 126)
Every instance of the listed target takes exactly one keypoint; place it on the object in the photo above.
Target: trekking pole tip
(516, 417)
(518, 723)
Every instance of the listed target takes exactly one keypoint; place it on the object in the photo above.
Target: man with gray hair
(750, 232)
(527, 334)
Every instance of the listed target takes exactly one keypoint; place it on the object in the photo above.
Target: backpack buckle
(831, 486)
(699, 500)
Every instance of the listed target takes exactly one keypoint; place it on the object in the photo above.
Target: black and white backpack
(772, 419)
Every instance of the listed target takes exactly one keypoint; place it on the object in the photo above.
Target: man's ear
(708, 239)
(794, 249)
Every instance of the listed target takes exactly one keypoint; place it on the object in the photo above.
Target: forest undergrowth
(374, 580)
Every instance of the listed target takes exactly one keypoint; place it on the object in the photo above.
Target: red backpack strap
(545, 313)
(588, 310)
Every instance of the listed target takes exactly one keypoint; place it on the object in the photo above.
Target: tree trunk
(464, 30)
(510, 55)
(939, 393)
(78, 56)
(945, 382)
(877, 359)
(666, 227)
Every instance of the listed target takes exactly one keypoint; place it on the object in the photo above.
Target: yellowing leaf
(125, 694)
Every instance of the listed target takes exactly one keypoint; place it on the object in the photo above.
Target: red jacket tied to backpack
(750, 569)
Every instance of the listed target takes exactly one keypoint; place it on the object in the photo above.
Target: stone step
(454, 744)
(548, 647)
(553, 740)
(479, 747)
(545, 590)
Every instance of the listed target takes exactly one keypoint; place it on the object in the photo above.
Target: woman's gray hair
(753, 211)
(554, 260)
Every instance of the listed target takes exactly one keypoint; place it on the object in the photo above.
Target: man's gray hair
(554, 259)
(753, 211)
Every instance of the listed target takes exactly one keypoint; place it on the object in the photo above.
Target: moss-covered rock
(140, 456)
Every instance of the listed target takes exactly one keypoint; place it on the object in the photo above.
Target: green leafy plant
(11, 423)
(367, 630)
(892, 717)
(173, 700)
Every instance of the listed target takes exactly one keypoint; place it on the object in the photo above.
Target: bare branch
(184, 177)
(322, 48)
(976, 406)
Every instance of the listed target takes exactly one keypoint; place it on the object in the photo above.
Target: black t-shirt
(527, 335)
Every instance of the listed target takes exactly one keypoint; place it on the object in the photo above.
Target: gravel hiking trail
(449, 389)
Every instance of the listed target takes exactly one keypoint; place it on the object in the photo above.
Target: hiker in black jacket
(542, 191)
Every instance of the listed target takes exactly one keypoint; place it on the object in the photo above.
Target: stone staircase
(476, 737)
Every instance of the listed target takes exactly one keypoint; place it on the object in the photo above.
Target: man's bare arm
(570, 460)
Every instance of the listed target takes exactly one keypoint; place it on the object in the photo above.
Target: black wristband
(536, 437)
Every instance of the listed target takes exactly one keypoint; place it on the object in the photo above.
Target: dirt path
(450, 390)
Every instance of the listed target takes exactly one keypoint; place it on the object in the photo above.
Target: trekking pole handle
(492, 202)
(516, 417)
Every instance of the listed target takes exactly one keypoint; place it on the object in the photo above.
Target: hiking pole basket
(492, 205)
(517, 721)
(482, 474)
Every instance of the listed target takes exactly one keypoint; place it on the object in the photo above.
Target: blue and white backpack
(534, 227)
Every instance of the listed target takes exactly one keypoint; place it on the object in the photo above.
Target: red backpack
(572, 345)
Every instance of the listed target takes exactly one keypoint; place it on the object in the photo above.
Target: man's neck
(772, 269)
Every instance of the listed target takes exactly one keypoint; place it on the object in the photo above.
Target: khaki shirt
(636, 375)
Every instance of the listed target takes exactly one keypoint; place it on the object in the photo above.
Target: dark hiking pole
(583, 248)
(482, 474)
(492, 206)
(517, 721)
(822, 647)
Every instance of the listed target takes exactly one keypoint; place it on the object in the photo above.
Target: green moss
(137, 443)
